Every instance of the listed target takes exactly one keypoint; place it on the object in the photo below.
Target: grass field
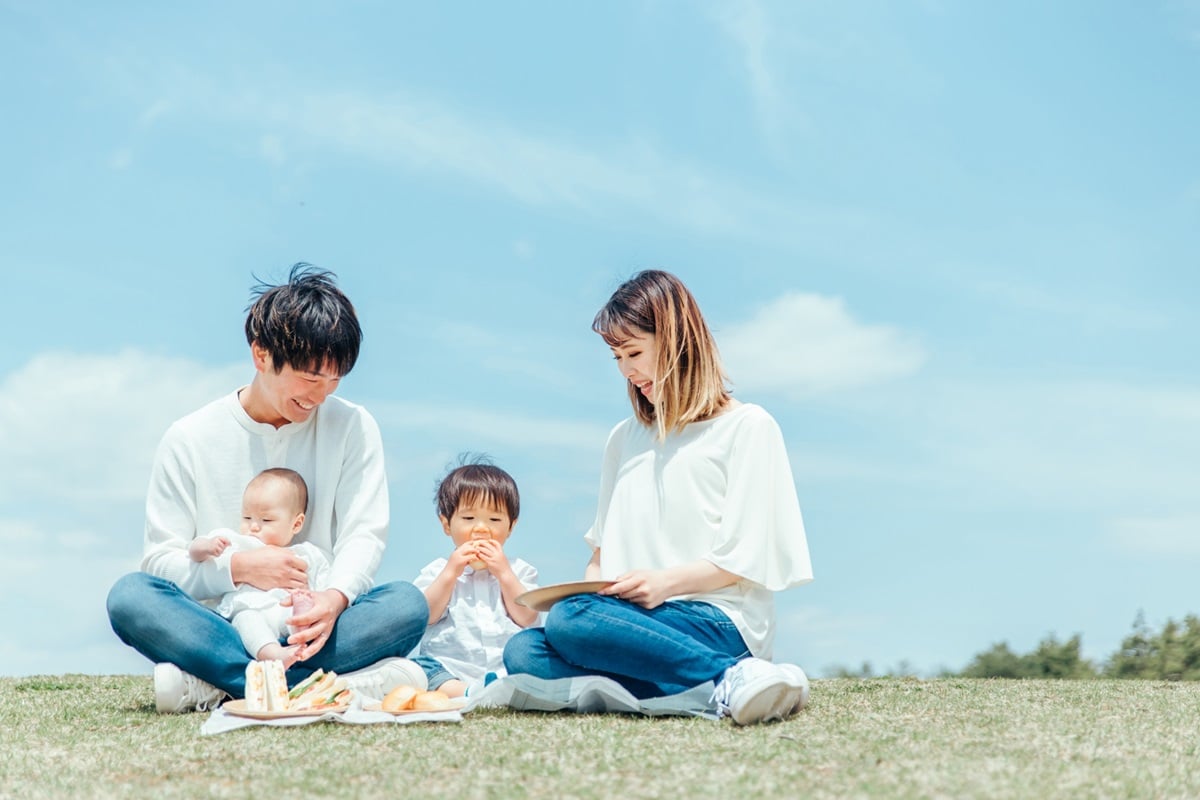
(86, 736)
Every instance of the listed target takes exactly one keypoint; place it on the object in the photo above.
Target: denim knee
(412, 609)
(126, 601)
(521, 651)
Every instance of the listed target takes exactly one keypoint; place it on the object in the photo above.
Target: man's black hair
(306, 323)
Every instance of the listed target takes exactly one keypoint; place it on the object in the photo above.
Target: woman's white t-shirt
(721, 491)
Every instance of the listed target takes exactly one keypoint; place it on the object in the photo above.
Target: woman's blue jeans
(163, 623)
(651, 652)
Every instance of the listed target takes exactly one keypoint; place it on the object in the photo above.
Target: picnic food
(432, 701)
(406, 698)
(266, 689)
(320, 690)
(399, 699)
(266, 686)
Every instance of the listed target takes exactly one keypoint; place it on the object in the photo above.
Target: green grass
(86, 736)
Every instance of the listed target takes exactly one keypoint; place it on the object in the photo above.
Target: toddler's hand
(463, 555)
(219, 544)
(491, 553)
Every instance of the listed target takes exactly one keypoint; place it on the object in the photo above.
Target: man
(304, 337)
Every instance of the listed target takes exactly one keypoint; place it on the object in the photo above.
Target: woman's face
(637, 358)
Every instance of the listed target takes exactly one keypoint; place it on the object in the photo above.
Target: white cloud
(416, 133)
(747, 26)
(1083, 445)
(807, 344)
(77, 434)
(83, 427)
(1157, 536)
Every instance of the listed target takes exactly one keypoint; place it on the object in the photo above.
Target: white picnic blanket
(591, 694)
(221, 721)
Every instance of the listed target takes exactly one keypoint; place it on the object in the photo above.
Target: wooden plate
(542, 598)
(238, 709)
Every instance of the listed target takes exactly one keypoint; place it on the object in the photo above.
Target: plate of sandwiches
(268, 695)
(543, 598)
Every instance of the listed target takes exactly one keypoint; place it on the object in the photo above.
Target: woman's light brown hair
(689, 380)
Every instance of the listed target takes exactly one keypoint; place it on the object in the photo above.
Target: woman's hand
(648, 588)
(269, 568)
(314, 627)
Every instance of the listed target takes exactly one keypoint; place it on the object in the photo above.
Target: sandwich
(267, 690)
(266, 686)
(320, 690)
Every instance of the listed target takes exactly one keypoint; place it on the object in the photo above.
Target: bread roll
(432, 701)
(399, 699)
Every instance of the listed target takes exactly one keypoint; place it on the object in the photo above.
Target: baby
(273, 508)
(472, 594)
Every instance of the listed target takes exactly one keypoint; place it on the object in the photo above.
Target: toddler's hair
(290, 476)
(477, 478)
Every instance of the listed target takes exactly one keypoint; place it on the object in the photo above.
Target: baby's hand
(204, 549)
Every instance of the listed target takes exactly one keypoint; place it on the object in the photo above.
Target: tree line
(1171, 654)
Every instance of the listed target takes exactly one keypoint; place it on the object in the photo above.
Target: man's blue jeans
(651, 652)
(163, 623)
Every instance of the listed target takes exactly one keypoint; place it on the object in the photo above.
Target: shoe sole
(777, 699)
(166, 700)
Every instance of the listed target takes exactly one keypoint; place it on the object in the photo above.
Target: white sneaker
(375, 681)
(801, 678)
(177, 692)
(754, 690)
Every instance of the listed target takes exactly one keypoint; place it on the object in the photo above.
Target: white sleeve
(608, 479)
(429, 573)
(761, 537)
(361, 509)
(426, 578)
(171, 526)
(318, 565)
(526, 573)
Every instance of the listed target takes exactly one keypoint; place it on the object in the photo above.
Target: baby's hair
(475, 477)
(289, 476)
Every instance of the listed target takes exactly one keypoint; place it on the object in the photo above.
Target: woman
(698, 523)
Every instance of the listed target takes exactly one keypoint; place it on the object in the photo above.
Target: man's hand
(312, 629)
(269, 568)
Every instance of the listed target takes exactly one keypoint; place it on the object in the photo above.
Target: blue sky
(951, 246)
